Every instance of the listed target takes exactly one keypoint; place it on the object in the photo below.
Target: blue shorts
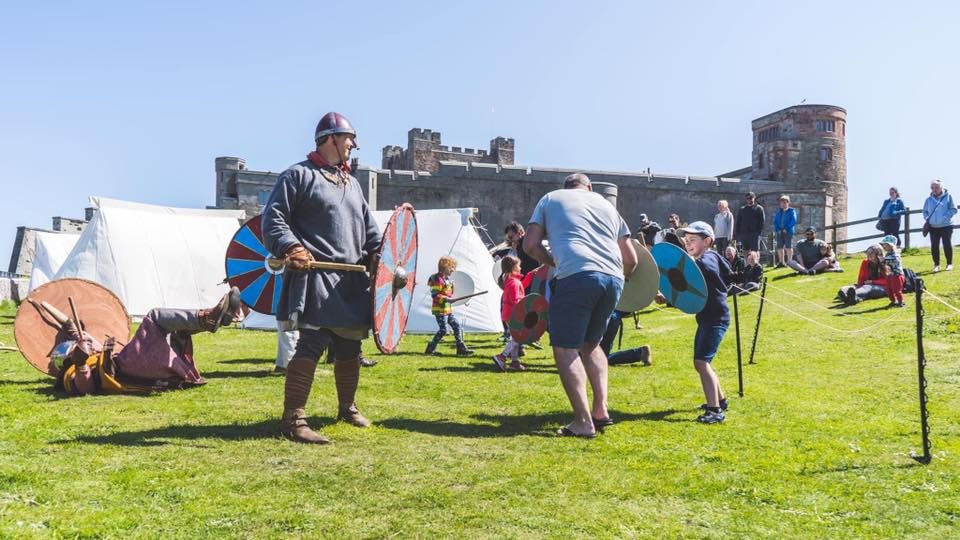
(784, 240)
(580, 306)
(707, 341)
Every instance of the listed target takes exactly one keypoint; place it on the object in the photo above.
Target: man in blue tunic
(317, 212)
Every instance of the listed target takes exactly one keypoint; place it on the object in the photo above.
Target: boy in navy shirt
(713, 320)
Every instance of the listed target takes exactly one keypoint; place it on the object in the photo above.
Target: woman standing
(723, 225)
(784, 226)
(890, 214)
(938, 211)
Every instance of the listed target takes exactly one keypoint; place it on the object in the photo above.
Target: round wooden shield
(538, 285)
(247, 268)
(462, 286)
(680, 278)
(101, 312)
(640, 290)
(528, 320)
(394, 278)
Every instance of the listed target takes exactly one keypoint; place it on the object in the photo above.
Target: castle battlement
(799, 151)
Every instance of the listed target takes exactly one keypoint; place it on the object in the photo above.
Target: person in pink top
(512, 294)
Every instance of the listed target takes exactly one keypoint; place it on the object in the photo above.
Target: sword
(467, 296)
(278, 264)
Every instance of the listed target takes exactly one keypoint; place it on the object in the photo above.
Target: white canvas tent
(441, 232)
(154, 256)
(49, 252)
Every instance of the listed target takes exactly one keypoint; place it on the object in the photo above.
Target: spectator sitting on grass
(733, 259)
(871, 280)
(748, 279)
(810, 257)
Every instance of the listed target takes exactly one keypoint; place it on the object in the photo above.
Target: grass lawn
(817, 448)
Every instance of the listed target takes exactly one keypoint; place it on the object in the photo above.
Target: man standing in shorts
(591, 250)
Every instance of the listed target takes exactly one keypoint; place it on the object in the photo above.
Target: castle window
(827, 126)
(826, 153)
(769, 134)
(760, 160)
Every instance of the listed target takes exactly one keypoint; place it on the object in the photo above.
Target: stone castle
(799, 151)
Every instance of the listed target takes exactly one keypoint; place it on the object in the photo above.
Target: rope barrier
(801, 298)
(941, 300)
(826, 326)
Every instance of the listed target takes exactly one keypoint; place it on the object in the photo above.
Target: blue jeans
(442, 321)
(580, 306)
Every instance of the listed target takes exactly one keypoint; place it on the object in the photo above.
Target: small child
(712, 321)
(441, 289)
(894, 266)
(826, 253)
(749, 278)
(512, 295)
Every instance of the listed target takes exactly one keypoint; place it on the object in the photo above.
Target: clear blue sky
(134, 102)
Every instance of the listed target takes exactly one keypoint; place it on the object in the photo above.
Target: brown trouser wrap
(346, 375)
(299, 381)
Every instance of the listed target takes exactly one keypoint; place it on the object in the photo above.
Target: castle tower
(804, 147)
(226, 169)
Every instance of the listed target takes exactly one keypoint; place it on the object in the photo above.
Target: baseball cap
(698, 227)
(810, 229)
(889, 239)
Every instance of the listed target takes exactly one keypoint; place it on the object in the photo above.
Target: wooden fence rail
(905, 230)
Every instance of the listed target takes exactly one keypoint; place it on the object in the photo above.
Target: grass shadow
(239, 374)
(171, 434)
(21, 383)
(785, 276)
(486, 366)
(248, 361)
(863, 311)
(544, 425)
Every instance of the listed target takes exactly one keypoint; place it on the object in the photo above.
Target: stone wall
(503, 194)
(240, 188)
(788, 152)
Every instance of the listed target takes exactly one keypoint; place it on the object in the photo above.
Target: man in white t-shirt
(591, 250)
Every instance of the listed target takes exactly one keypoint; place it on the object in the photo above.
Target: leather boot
(296, 390)
(346, 376)
(211, 319)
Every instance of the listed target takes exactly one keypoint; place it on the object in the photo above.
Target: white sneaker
(949, 267)
(936, 268)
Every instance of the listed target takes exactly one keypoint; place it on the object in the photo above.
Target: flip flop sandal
(565, 432)
(600, 423)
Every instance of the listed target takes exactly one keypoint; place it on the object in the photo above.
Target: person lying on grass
(159, 357)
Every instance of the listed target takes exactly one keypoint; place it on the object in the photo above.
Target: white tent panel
(50, 251)
(154, 256)
(440, 232)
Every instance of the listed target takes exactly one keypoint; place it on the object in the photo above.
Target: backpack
(909, 281)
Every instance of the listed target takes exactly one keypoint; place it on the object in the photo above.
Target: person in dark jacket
(648, 231)
(890, 214)
(317, 212)
(749, 277)
(749, 223)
